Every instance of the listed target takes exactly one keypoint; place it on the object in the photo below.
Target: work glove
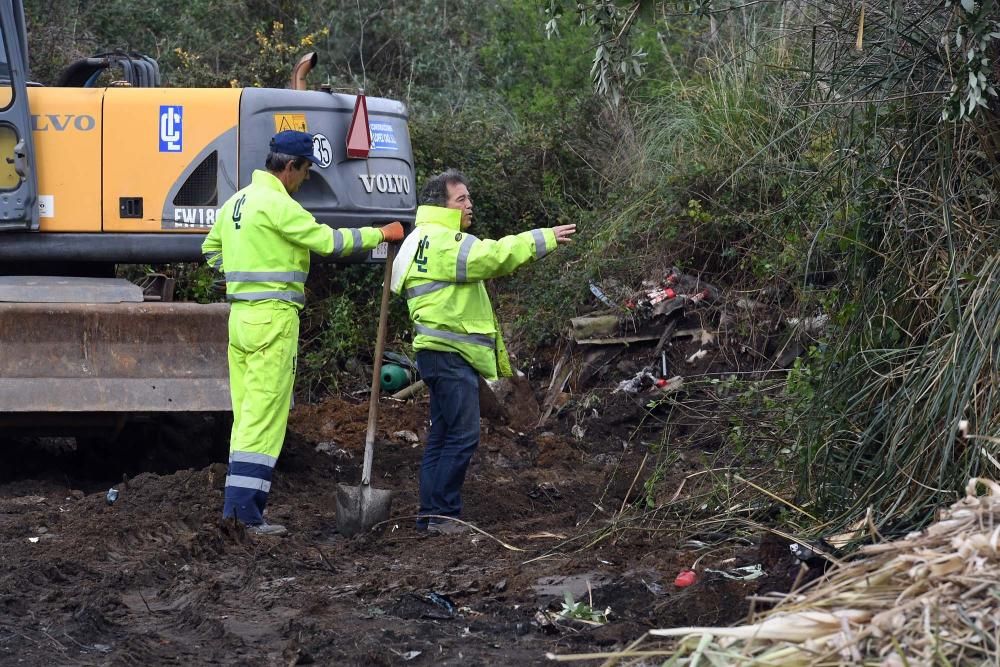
(393, 232)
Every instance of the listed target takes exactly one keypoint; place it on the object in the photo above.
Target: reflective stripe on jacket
(262, 238)
(440, 270)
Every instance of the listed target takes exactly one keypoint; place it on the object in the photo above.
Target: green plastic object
(394, 377)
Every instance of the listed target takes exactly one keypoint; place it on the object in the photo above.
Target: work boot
(447, 528)
(267, 529)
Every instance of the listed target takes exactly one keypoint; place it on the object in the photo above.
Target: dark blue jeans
(454, 432)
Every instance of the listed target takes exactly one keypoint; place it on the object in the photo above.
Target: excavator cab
(18, 183)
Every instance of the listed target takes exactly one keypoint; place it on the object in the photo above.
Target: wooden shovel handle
(383, 319)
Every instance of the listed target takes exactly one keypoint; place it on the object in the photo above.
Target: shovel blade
(361, 507)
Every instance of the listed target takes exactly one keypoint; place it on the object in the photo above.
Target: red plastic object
(660, 382)
(358, 136)
(699, 296)
(685, 578)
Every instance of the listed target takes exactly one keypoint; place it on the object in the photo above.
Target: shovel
(361, 507)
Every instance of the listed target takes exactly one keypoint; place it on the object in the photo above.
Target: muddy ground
(158, 578)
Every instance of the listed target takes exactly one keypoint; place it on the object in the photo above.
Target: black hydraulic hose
(155, 69)
(142, 72)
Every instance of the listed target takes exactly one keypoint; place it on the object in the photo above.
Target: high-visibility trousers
(263, 343)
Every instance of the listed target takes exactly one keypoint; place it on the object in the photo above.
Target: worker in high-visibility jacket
(440, 270)
(261, 241)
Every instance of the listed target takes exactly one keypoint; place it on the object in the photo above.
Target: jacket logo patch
(458, 237)
(238, 212)
(420, 259)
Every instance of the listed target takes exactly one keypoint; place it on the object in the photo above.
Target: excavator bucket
(113, 357)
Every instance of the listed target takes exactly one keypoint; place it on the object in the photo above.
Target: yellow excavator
(95, 175)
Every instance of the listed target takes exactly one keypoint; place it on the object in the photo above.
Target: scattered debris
(745, 573)
(653, 587)
(601, 296)
(433, 606)
(809, 325)
(330, 448)
(703, 336)
(406, 436)
(561, 373)
(814, 555)
(399, 359)
(410, 392)
(673, 384)
(642, 380)
(621, 340)
(409, 655)
(802, 334)
(645, 312)
(697, 355)
(594, 327)
(685, 578)
(442, 601)
(394, 377)
(546, 490)
(543, 622)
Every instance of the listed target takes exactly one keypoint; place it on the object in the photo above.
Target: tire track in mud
(149, 592)
(206, 572)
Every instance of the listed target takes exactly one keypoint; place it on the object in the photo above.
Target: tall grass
(919, 353)
(803, 153)
(917, 348)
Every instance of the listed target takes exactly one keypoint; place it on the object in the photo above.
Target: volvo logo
(58, 122)
(386, 183)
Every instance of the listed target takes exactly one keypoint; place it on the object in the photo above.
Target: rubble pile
(676, 307)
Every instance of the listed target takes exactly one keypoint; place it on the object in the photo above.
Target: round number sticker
(322, 150)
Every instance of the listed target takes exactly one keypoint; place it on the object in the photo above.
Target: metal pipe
(301, 70)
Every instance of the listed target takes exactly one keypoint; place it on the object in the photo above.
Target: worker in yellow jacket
(261, 241)
(440, 270)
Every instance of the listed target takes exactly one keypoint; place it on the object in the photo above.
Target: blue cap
(293, 142)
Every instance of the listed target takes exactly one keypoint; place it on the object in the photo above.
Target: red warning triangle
(358, 136)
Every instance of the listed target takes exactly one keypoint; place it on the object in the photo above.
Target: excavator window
(6, 89)
(9, 178)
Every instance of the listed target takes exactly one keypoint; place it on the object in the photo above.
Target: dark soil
(158, 578)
